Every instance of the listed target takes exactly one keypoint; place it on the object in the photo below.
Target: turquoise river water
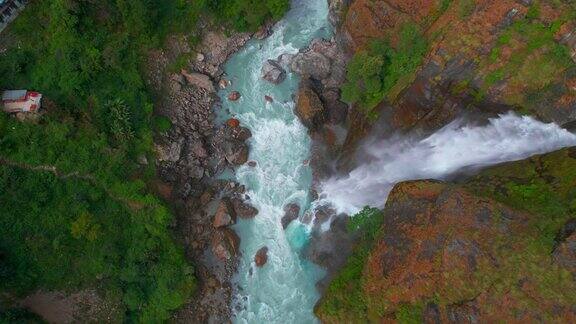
(283, 291)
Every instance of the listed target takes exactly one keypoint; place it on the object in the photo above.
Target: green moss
(466, 8)
(410, 314)
(344, 300)
(376, 72)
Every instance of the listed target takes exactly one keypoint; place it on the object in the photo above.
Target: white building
(14, 101)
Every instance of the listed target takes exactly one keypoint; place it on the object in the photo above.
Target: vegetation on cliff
(77, 210)
(487, 248)
(343, 301)
(374, 72)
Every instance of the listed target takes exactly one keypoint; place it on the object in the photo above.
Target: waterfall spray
(453, 148)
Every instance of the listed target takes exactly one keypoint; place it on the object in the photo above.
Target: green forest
(77, 211)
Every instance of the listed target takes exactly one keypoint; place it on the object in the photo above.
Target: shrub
(372, 73)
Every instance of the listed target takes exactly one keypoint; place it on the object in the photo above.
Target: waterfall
(454, 148)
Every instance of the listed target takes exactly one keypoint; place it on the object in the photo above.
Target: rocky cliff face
(499, 246)
(485, 56)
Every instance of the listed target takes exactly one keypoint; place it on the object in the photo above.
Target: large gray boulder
(312, 64)
(273, 72)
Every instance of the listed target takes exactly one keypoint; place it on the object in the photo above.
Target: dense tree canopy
(76, 209)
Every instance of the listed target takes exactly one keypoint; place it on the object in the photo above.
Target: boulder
(224, 215)
(241, 133)
(223, 83)
(236, 152)
(285, 59)
(233, 122)
(268, 99)
(261, 257)
(242, 209)
(312, 64)
(252, 164)
(225, 244)
(273, 72)
(234, 96)
(199, 80)
(309, 108)
(291, 212)
(264, 31)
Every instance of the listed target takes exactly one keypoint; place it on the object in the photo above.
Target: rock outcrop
(224, 215)
(475, 251)
(273, 72)
(243, 210)
(480, 61)
(309, 108)
(261, 257)
(291, 213)
(225, 244)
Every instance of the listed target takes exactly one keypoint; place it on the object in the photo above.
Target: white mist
(451, 149)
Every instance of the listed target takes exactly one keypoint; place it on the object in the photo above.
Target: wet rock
(330, 249)
(252, 164)
(223, 83)
(199, 80)
(268, 99)
(291, 212)
(236, 152)
(242, 209)
(233, 122)
(273, 72)
(309, 108)
(285, 59)
(312, 64)
(225, 244)
(265, 31)
(234, 96)
(224, 215)
(241, 133)
(261, 257)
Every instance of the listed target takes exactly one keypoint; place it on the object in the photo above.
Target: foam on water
(451, 149)
(283, 291)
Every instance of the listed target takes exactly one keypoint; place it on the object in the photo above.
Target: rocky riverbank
(192, 153)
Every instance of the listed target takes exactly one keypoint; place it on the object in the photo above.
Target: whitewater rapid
(283, 290)
(452, 149)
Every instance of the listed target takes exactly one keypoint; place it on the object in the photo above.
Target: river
(283, 291)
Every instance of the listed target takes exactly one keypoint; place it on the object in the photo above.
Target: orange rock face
(233, 122)
(499, 247)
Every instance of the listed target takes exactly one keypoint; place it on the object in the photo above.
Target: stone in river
(261, 257)
(273, 72)
(234, 96)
